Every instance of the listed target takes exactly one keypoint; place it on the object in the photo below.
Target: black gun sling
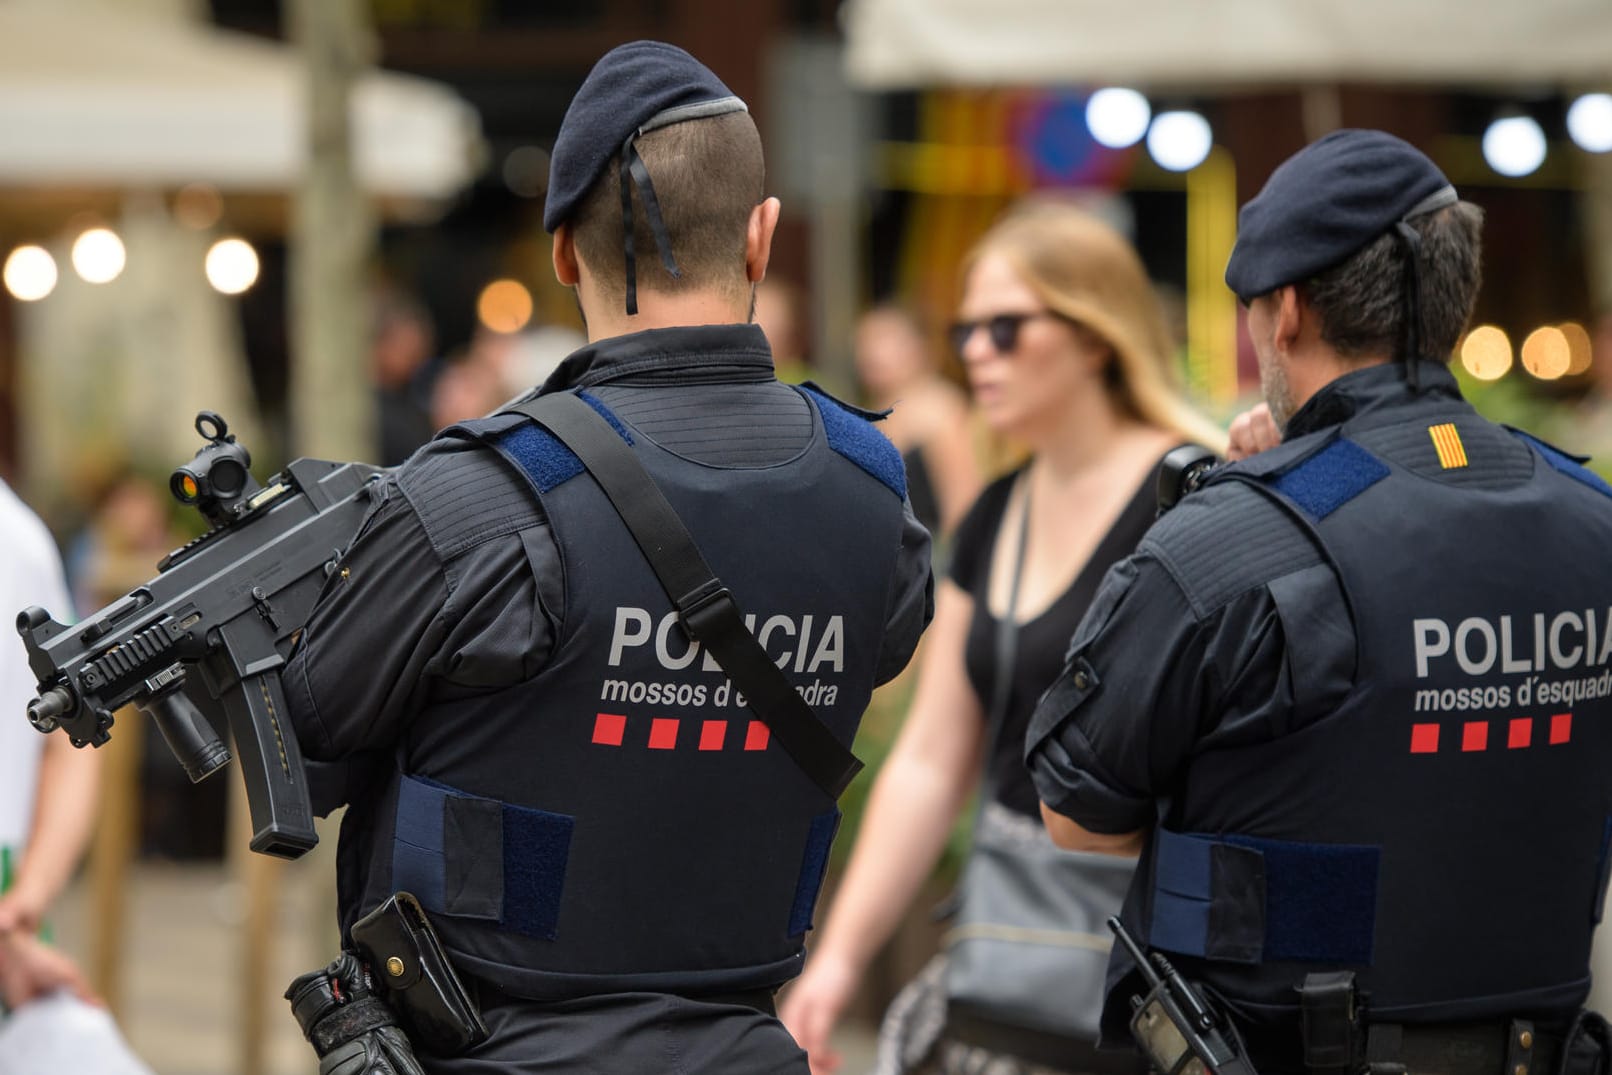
(708, 611)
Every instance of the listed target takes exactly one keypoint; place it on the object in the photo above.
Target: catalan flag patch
(1447, 442)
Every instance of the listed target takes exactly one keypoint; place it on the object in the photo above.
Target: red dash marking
(712, 734)
(1561, 728)
(663, 733)
(1521, 733)
(756, 736)
(1424, 738)
(1475, 735)
(608, 728)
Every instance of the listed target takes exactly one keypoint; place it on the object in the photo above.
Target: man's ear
(1289, 318)
(758, 239)
(565, 256)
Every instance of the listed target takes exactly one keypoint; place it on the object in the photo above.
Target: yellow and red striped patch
(1447, 442)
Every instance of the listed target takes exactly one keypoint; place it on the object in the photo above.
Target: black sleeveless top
(1043, 641)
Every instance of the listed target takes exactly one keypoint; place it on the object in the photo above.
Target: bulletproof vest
(1443, 830)
(622, 820)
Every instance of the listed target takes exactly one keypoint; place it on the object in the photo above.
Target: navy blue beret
(634, 88)
(1330, 200)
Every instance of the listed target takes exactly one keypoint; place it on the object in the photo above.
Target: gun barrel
(46, 711)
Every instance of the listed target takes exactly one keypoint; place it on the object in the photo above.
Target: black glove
(353, 1030)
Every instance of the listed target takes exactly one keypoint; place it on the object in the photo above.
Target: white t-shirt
(30, 574)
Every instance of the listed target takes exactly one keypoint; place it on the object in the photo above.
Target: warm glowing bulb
(232, 266)
(1486, 353)
(1117, 117)
(1179, 141)
(30, 273)
(1546, 353)
(1578, 347)
(98, 256)
(504, 306)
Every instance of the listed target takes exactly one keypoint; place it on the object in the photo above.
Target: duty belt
(1496, 1048)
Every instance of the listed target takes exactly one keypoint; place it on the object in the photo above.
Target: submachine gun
(199, 648)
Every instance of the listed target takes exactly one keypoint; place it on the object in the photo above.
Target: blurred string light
(98, 256)
(526, 171)
(1486, 353)
(1579, 350)
(1179, 141)
(1589, 122)
(504, 306)
(1514, 146)
(1117, 117)
(198, 206)
(1546, 353)
(232, 266)
(30, 273)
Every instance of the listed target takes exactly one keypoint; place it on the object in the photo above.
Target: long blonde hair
(1085, 270)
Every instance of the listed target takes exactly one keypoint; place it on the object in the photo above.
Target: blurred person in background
(1368, 784)
(623, 890)
(1067, 352)
(402, 346)
(929, 415)
(48, 795)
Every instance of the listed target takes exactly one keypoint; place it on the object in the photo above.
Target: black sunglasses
(1003, 329)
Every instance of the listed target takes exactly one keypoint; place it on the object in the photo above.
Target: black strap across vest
(707, 609)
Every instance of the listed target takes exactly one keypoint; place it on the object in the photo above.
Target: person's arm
(1071, 837)
(918, 794)
(63, 818)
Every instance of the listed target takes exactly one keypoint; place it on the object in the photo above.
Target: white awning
(1224, 44)
(96, 99)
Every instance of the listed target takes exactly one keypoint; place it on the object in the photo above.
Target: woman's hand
(1252, 432)
(30, 969)
(813, 1005)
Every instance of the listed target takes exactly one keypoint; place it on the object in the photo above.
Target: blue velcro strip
(1181, 893)
(857, 440)
(417, 865)
(537, 845)
(539, 453)
(1567, 464)
(1330, 478)
(1320, 900)
(813, 865)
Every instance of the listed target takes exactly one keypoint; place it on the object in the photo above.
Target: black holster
(409, 967)
(1587, 1047)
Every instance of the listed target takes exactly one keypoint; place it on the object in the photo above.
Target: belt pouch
(407, 961)
(1327, 1005)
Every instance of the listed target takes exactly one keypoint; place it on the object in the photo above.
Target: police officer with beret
(619, 854)
(1351, 699)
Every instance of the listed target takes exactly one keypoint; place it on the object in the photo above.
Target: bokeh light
(1486, 353)
(526, 171)
(1514, 146)
(232, 266)
(504, 306)
(1117, 117)
(1589, 122)
(1546, 353)
(1579, 349)
(98, 255)
(198, 206)
(30, 273)
(1179, 141)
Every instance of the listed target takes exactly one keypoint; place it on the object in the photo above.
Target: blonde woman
(1066, 352)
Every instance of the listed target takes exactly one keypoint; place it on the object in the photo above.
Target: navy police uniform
(613, 848)
(1359, 689)
(575, 791)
